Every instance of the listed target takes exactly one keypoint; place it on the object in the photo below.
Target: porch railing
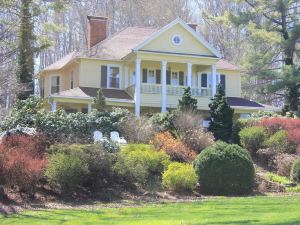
(171, 90)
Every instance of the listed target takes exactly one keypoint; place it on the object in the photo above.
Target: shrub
(99, 161)
(278, 179)
(23, 162)
(173, 147)
(180, 177)
(164, 121)
(284, 163)
(295, 173)
(23, 170)
(67, 171)
(279, 142)
(225, 169)
(109, 146)
(60, 126)
(184, 121)
(252, 138)
(138, 129)
(198, 139)
(137, 162)
(266, 158)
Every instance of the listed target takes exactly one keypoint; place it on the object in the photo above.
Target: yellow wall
(190, 44)
(64, 74)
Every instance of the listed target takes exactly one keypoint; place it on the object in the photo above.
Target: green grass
(278, 179)
(235, 211)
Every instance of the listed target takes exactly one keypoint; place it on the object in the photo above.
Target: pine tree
(26, 50)
(221, 114)
(99, 101)
(187, 102)
(274, 31)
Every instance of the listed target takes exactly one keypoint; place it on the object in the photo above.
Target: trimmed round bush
(180, 177)
(253, 138)
(295, 172)
(225, 169)
(67, 171)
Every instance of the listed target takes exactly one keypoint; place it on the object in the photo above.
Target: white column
(89, 107)
(137, 97)
(189, 74)
(214, 79)
(53, 106)
(126, 76)
(164, 86)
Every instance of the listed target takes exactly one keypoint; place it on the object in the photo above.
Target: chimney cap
(97, 17)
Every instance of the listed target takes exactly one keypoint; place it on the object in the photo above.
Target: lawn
(251, 210)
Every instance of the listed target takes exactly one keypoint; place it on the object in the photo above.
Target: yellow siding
(190, 45)
(90, 72)
(64, 74)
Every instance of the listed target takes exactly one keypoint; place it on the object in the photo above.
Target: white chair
(114, 136)
(98, 136)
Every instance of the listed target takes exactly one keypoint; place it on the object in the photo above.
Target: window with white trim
(55, 84)
(114, 77)
(176, 39)
(72, 80)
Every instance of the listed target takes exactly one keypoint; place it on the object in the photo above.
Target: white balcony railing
(171, 90)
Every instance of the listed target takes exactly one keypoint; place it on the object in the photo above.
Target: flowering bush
(177, 150)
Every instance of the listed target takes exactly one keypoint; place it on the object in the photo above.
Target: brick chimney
(97, 30)
(193, 26)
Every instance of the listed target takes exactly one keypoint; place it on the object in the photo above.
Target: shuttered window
(181, 78)
(104, 76)
(168, 77)
(158, 76)
(223, 81)
(145, 71)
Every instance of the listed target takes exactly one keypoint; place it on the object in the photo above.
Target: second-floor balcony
(156, 89)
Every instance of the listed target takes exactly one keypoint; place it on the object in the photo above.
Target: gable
(189, 43)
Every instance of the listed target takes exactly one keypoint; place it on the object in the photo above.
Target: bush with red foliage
(22, 161)
(173, 147)
(290, 125)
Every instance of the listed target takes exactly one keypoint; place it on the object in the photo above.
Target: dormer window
(176, 39)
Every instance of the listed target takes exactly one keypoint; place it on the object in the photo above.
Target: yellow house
(143, 69)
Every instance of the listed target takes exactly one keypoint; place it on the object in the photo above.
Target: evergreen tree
(187, 102)
(221, 116)
(274, 30)
(99, 101)
(26, 50)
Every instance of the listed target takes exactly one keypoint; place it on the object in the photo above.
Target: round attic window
(176, 39)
